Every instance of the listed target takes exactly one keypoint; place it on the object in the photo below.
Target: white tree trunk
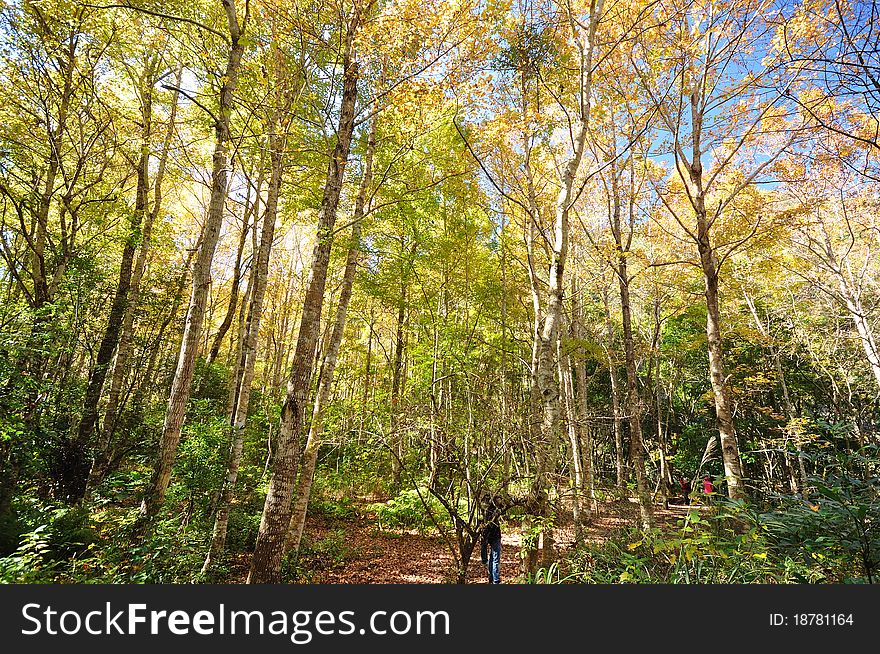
(313, 445)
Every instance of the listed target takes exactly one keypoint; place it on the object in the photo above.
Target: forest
(293, 291)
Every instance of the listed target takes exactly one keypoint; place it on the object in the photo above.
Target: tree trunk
(42, 294)
(863, 328)
(368, 376)
(584, 436)
(126, 337)
(636, 443)
(236, 283)
(396, 383)
(435, 396)
(529, 553)
(31, 363)
(634, 407)
(723, 413)
(568, 405)
(710, 268)
(665, 471)
(275, 522)
(201, 282)
(247, 355)
(310, 455)
(795, 484)
(75, 486)
(619, 464)
(548, 385)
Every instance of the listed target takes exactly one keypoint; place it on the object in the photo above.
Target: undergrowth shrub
(729, 547)
(407, 510)
(317, 555)
(834, 529)
(241, 531)
(341, 509)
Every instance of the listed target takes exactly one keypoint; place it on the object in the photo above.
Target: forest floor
(355, 551)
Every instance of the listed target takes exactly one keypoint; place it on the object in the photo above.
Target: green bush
(11, 530)
(407, 511)
(342, 509)
(123, 487)
(201, 460)
(43, 551)
(835, 529)
(30, 563)
(71, 532)
(241, 532)
(726, 548)
(171, 554)
(315, 556)
(57, 551)
(354, 470)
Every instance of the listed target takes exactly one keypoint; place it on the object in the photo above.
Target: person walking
(490, 537)
(708, 488)
(685, 490)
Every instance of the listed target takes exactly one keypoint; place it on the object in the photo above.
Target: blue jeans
(492, 559)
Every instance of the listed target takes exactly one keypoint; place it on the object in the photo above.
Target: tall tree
(620, 264)
(126, 336)
(201, 276)
(275, 522)
(328, 365)
(707, 109)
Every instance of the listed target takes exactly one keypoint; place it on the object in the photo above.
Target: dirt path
(354, 551)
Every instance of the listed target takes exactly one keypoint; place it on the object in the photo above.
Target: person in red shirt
(708, 488)
(685, 489)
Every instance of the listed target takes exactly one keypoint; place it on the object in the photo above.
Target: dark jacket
(491, 527)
